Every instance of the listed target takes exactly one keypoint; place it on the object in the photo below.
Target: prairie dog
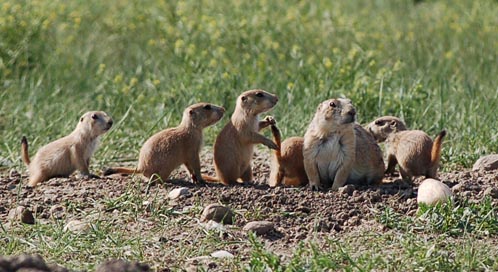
(172, 147)
(413, 150)
(287, 165)
(234, 146)
(62, 157)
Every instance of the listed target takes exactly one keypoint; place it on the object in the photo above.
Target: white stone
(222, 254)
(77, 226)
(178, 192)
(433, 191)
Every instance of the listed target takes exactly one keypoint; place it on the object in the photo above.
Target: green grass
(433, 64)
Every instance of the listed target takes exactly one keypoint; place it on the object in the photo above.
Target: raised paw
(270, 120)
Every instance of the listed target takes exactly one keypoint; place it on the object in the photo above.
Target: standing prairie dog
(337, 151)
(413, 150)
(62, 157)
(234, 146)
(287, 165)
(170, 148)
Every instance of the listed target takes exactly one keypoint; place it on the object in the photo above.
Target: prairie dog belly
(329, 158)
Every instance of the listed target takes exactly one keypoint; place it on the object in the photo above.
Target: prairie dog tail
(210, 179)
(436, 148)
(24, 150)
(278, 140)
(120, 170)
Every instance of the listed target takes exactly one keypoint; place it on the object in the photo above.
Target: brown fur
(62, 157)
(170, 148)
(234, 146)
(287, 166)
(413, 150)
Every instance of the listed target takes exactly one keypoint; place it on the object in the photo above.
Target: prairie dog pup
(287, 165)
(413, 150)
(234, 146)
(62, 157)
(170, 148)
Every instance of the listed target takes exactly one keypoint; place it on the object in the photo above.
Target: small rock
(77, 226)
(121, 265)
(217, 213)
(222, 254)
(491, 191)
(212, 225)
(21, 214)
(178, 192)
(433, 191)
(347, 189)
(259, 227)
(489, 162)
(57, 211)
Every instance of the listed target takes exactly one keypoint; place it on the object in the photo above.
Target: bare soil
(297, 213)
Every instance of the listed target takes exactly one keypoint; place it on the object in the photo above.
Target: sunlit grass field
(434, 64)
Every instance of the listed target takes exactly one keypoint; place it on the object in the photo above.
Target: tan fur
(170, 148)
(288, 169)
(234, 146)
(287, 165)
(62, 157)
(330, 144)
(413, 150)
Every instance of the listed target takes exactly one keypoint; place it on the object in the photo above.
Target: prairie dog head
(202, 114)
(256, 101)
(94, 123)
(384, 126)
(333, 112)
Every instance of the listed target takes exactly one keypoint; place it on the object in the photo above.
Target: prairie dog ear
(243, 98)
(191, 112)
(81, 119)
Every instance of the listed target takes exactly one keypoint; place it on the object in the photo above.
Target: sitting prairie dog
(337, 151)
(413, 150)
(287, 165)
(234, 146)
(172, 147)
(62, 157)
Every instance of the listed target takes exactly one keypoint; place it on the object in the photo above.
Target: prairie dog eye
(94, 116)
(207, 107)
(378, 122)
(259, 94)
(332, 104)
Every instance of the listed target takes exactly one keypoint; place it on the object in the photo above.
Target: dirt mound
(297, 213)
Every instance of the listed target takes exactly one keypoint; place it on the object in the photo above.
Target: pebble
(178, 192)
(222, 254)
(21, 214)
(259, 227)
(77, 226)
(488, 162)
(217, 213)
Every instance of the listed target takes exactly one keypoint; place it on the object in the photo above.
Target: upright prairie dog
(413, 150)
(62, 157)
(287, 165)
(337, 151)
(234, 146)
(172, 147)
